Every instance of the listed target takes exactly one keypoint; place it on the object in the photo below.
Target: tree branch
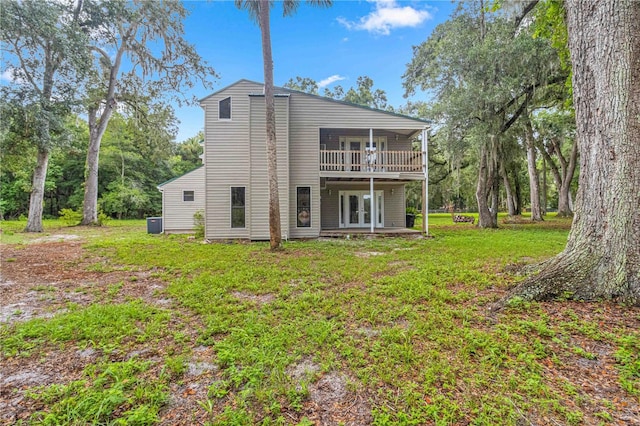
(102, 53)
(527, 8)
(515, 116)
(24, 67)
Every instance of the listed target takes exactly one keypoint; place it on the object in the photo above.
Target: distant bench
(457, 218)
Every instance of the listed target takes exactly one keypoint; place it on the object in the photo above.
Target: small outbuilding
(182, 197)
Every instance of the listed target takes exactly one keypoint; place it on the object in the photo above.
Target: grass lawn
(124, 327)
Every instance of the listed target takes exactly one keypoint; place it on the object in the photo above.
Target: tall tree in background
(42, 41)
(558, 145)
(362, 94)
(484, 74)
(259, 10)
(130, 30)
(602, 256)
(303, 84)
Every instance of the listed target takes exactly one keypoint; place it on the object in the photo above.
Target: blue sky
(341, 43)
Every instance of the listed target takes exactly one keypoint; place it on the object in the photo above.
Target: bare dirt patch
(367, 254)
(260, 299)
(39, 280)
(55, 237)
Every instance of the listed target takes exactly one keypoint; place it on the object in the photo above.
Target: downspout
(373, 215)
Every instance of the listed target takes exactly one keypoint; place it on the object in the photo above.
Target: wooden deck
(372, 161)
(366, 233)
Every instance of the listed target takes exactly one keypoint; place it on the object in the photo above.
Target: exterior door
(360, 156)
(356, 209)
(354, 149)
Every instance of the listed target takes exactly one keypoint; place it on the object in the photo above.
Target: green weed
(111, 393)
(102, 326)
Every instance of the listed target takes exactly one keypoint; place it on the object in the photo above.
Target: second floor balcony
(372, 163)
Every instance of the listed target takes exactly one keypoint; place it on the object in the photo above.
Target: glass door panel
(366, 217)
(354, 210)
(357, 209)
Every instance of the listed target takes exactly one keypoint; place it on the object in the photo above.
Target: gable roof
(322, 98)
(178, 177)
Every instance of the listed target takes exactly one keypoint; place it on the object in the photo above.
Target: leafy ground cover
(114, 326)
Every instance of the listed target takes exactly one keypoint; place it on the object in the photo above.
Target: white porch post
(373, 200)
(425, 193)
(373, 206)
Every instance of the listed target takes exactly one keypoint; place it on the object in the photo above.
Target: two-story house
(340, 165)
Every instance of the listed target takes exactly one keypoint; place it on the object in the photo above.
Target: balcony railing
(371, 161)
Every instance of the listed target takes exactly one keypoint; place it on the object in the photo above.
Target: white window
(188, 196)
(224, 109)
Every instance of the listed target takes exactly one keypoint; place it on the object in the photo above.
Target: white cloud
(332, 79)
(386, 16)
(9, 76)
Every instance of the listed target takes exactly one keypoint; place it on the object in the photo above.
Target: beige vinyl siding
(394, 204)
(402, 144)
(330, 205)
(177, 214)
(324, 113)
(227, 158)
(259, 183)
(394, 207)
(304, 169)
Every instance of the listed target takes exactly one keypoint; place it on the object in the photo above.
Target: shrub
(70, 217)
(198, 222)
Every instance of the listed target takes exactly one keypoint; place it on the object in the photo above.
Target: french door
(357, 209)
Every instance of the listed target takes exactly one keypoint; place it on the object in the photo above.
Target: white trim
(425, 161)
(372, 205)
(343, 208)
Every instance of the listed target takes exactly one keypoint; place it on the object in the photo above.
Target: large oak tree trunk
(602, 256)
(275, 232)
(34, 223)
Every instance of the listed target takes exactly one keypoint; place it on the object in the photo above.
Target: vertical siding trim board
(249, 193)
(163, 210)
